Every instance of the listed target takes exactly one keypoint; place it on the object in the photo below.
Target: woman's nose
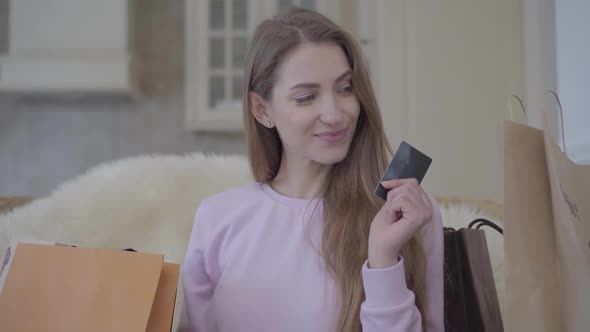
(330, 112)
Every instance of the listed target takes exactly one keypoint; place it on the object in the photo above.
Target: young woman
(308, 247)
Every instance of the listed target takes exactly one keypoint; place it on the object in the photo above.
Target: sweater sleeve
(390, 305)
(197, 277)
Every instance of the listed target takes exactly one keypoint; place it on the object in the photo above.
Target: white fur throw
(148, 203)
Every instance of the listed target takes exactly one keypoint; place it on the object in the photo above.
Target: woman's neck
(300, 178)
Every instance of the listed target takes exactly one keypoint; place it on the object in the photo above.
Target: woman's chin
(331, 157)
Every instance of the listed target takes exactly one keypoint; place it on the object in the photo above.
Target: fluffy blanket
(148, 203)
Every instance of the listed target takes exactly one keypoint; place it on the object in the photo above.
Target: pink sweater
(252, 264)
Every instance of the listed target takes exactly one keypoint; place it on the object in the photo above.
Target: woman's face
(313, 104)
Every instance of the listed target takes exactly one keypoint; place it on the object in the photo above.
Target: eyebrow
(315, 85)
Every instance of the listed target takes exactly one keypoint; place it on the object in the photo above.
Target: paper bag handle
(560, 110)
(509, 101)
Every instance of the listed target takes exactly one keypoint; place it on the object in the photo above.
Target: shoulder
(230, 197)
(223, 207)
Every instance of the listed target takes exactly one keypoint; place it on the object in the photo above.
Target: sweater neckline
(289, 201)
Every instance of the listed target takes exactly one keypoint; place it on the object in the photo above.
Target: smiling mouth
(332, 136)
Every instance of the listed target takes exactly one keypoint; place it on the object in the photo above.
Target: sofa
(148, 203)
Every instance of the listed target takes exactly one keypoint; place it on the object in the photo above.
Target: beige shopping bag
(59, 288)
(547, 234)
(163, 308)
(530, 258)
(570, 193)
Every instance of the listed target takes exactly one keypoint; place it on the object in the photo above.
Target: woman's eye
(304, 99)
(346, 90)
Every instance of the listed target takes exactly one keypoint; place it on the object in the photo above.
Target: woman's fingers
(390, 184)
(401, 206)
(410, 188)
(407, 199)
(395, 192)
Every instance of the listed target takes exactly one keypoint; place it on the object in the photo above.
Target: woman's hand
(407, 209)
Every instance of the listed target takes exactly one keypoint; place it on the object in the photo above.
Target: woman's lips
(332, 136)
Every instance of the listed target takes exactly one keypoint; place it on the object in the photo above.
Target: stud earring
(269, 123)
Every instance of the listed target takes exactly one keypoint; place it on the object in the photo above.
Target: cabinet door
(64, 46)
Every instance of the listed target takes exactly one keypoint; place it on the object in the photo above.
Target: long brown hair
(349, 203)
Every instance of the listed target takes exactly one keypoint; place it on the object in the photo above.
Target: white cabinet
(66, 46)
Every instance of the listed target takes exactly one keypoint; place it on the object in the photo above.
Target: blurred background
(84, 82)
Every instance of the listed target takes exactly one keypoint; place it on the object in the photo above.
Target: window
(217, 35)
(227, 40)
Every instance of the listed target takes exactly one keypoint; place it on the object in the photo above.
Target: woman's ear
(260, 110)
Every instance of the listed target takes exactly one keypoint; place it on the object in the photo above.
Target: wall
(446, 69)
(43, 143)
(556, 53)
(539, 58)
(464, 61)
(572, 39)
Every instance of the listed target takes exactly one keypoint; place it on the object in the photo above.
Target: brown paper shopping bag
(58, 288)
(163, 307)
(471, 301)
(530, 258)
(547, 238)
(570, 193)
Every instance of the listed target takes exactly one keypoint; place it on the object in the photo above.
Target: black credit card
(407, 163)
